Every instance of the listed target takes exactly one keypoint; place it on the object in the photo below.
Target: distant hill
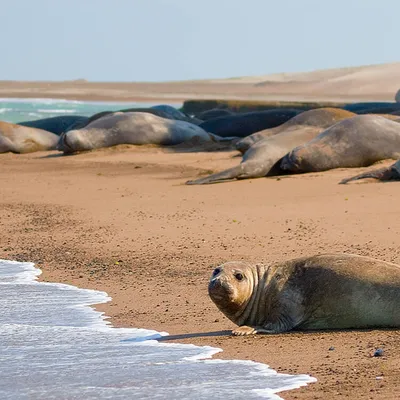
(366, 83)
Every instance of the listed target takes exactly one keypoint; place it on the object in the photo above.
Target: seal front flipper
(382, 174)
(226, 175)
(245, 330)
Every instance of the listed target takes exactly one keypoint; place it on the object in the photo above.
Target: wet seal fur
(328, 291)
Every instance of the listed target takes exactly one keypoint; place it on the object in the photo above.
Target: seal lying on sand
(261, 159)
(329, 291)
(320, 118)
(355, 142)
(131, 128)
(244, 124)
(57, 125)
(23, 139)
(391, 173)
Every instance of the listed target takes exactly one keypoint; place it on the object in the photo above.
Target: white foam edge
(31, 274)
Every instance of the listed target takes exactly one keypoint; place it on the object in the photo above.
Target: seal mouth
(289, 162)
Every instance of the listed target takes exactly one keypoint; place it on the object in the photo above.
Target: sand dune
(365, 83)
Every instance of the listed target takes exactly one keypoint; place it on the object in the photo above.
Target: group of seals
(131, 128)
(329, 291)
(320, 118)
(263, 157)
(23, 139)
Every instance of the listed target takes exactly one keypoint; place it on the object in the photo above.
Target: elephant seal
(355, 142)
(57, 125)
(262, 159)
(244, 124)
(391, 173)
(131, 128)
(23, 139)
(328, 291)
(320, 118)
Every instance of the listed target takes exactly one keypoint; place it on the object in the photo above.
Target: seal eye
(216, 271)
(239, 276)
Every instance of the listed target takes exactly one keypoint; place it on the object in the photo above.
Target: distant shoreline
(177, 92)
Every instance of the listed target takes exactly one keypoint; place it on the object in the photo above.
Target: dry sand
(372, 82)
(122, 220)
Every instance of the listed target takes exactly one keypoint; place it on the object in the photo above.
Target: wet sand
(122, 220)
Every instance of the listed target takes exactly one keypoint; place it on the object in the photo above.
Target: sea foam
(53, 345)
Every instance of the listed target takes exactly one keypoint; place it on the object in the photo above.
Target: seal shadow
(194, 335)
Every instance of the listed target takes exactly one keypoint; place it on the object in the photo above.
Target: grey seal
(23, 139)
(131, 128)
(355, 142)
(328, 291)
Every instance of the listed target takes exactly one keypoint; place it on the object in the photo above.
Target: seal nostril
(216, 271)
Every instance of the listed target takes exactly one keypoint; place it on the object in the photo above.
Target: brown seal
(329, 291)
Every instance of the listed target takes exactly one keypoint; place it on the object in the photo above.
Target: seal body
(23, 139)
(244, 124)
(329, 291)
(130, 128)
(321, 118)
(355, 142)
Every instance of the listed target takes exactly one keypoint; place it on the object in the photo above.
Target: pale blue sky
(156, 40)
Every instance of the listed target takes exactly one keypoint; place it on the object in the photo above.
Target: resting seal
(329, 291)
(131, 128)
(355, 142)
(23, 139)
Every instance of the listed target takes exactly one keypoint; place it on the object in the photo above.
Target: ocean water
(18, 110)
(53, 345)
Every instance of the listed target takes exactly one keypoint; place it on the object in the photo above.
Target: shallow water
(19, 110)
(54, 346)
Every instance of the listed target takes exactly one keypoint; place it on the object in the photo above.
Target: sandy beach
(122, 220)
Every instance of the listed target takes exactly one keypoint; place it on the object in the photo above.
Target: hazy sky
(155, 40)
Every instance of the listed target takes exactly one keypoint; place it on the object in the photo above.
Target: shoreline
(121, 220)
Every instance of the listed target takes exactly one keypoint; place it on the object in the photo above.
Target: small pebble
(378, 353)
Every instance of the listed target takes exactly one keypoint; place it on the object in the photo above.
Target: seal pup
(244, 124)
(23, 139)
(355, 142)
(328, 291)
(131, 128)
(320, 118)
(391, 173)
